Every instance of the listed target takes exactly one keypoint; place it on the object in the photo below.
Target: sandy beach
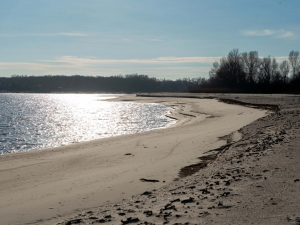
(253, 180)
(48, 186)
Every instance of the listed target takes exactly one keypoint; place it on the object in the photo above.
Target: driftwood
(148, 180)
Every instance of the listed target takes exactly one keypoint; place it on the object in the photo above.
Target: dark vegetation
(90, 84)
(236, 73)
(247, 73)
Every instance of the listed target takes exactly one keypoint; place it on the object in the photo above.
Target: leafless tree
(251, 64)
(265, 70)
(214, 70)
(294, 60)
(230, 72)
(274, 68)
(284, 69)
(268, 71)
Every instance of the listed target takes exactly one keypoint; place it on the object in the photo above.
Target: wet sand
(48, 186)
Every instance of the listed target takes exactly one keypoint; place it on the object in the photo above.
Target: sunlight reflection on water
(36, 121)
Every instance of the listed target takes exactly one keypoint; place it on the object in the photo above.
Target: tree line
(248, 73)
(132, 83)
(238, 72)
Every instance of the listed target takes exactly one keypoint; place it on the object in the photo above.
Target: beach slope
(45, 186)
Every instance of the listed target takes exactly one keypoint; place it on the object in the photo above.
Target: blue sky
(161, 38)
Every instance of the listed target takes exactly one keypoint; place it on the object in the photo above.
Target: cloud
(258, 32)
(25, 66)
(273, 33)
(77, 61)
(287, 34)
(73, 62)
(69, 65)
(160, 67)
(280, 59)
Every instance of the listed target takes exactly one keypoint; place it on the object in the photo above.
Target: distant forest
(247, 73)
(236, 73)
(90, 84)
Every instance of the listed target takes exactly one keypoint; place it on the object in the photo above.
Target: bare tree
(213, 71)
(251, 64)
(294, 60)
(268, 70)
(265, 71)
(284, 69)
(274, 68)
(236, 66)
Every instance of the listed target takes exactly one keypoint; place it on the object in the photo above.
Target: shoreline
(58, 182)
(63, 142)
(253, 181)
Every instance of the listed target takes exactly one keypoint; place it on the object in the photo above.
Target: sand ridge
(47, 185)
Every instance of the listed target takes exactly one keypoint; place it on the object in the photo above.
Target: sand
(253, 180)
(49, 186)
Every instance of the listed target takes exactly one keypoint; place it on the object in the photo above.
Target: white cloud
(160, 67)
(25, 66)
(258, 32)
(167, 67)
(273, 33)
(287, 34)
(76, 61)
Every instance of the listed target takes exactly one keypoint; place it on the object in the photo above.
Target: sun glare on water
(36, 121)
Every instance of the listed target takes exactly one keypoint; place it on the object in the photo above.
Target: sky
(169, 39)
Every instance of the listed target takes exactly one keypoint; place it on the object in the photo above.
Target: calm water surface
(37, 121)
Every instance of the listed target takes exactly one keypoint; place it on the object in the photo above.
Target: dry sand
(48, 186)
(255, 180)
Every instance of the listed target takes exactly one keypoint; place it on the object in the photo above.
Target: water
(38, 121)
